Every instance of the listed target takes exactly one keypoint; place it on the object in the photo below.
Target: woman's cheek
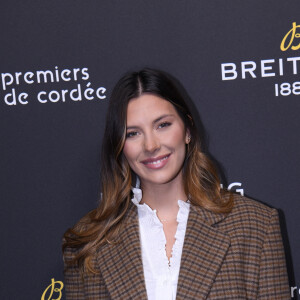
(130, 150)
(175, 137)
(126, 150)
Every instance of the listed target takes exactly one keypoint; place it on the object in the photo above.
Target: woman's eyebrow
(162, 117)
(132, 127)
(153, 122)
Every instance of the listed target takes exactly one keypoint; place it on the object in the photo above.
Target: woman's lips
(156, 162)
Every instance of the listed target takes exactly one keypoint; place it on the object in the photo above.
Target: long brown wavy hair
(201, 180)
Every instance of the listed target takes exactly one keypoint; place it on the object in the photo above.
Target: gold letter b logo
(290, 37)
(53, 289)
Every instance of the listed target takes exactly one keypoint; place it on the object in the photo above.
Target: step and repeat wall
(239, 62)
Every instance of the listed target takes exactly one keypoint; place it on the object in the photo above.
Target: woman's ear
(187, 136)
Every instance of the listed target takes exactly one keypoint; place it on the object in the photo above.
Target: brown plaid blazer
(234, 256)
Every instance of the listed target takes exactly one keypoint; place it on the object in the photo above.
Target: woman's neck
(164, 197)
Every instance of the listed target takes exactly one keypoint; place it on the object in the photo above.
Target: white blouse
(161, 275)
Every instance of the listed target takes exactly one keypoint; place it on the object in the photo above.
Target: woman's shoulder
(250, 213)
(249, 206)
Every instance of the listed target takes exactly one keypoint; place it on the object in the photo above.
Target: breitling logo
(290, 39)
(54, 289)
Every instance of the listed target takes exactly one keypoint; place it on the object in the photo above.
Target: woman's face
(156, 140)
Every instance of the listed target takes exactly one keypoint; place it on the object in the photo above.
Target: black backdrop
(50, 147)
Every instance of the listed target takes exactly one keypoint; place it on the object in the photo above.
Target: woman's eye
(164, 124)
(131, 134)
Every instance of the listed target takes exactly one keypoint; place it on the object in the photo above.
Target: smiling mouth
(156, 160)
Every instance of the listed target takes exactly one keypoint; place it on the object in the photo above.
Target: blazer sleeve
(74, 288)
(81, 287)
(273, 279)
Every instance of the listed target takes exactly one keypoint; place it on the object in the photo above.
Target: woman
(164, 229)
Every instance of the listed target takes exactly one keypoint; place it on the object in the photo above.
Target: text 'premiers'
(270, 67)
(10, 83)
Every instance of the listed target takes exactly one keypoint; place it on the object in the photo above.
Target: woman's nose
(151, 143)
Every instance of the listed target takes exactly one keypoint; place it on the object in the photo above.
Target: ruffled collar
(153, 236)
(138, 195)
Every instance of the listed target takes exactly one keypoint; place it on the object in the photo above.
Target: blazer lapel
(203, 252)
(121, 264)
